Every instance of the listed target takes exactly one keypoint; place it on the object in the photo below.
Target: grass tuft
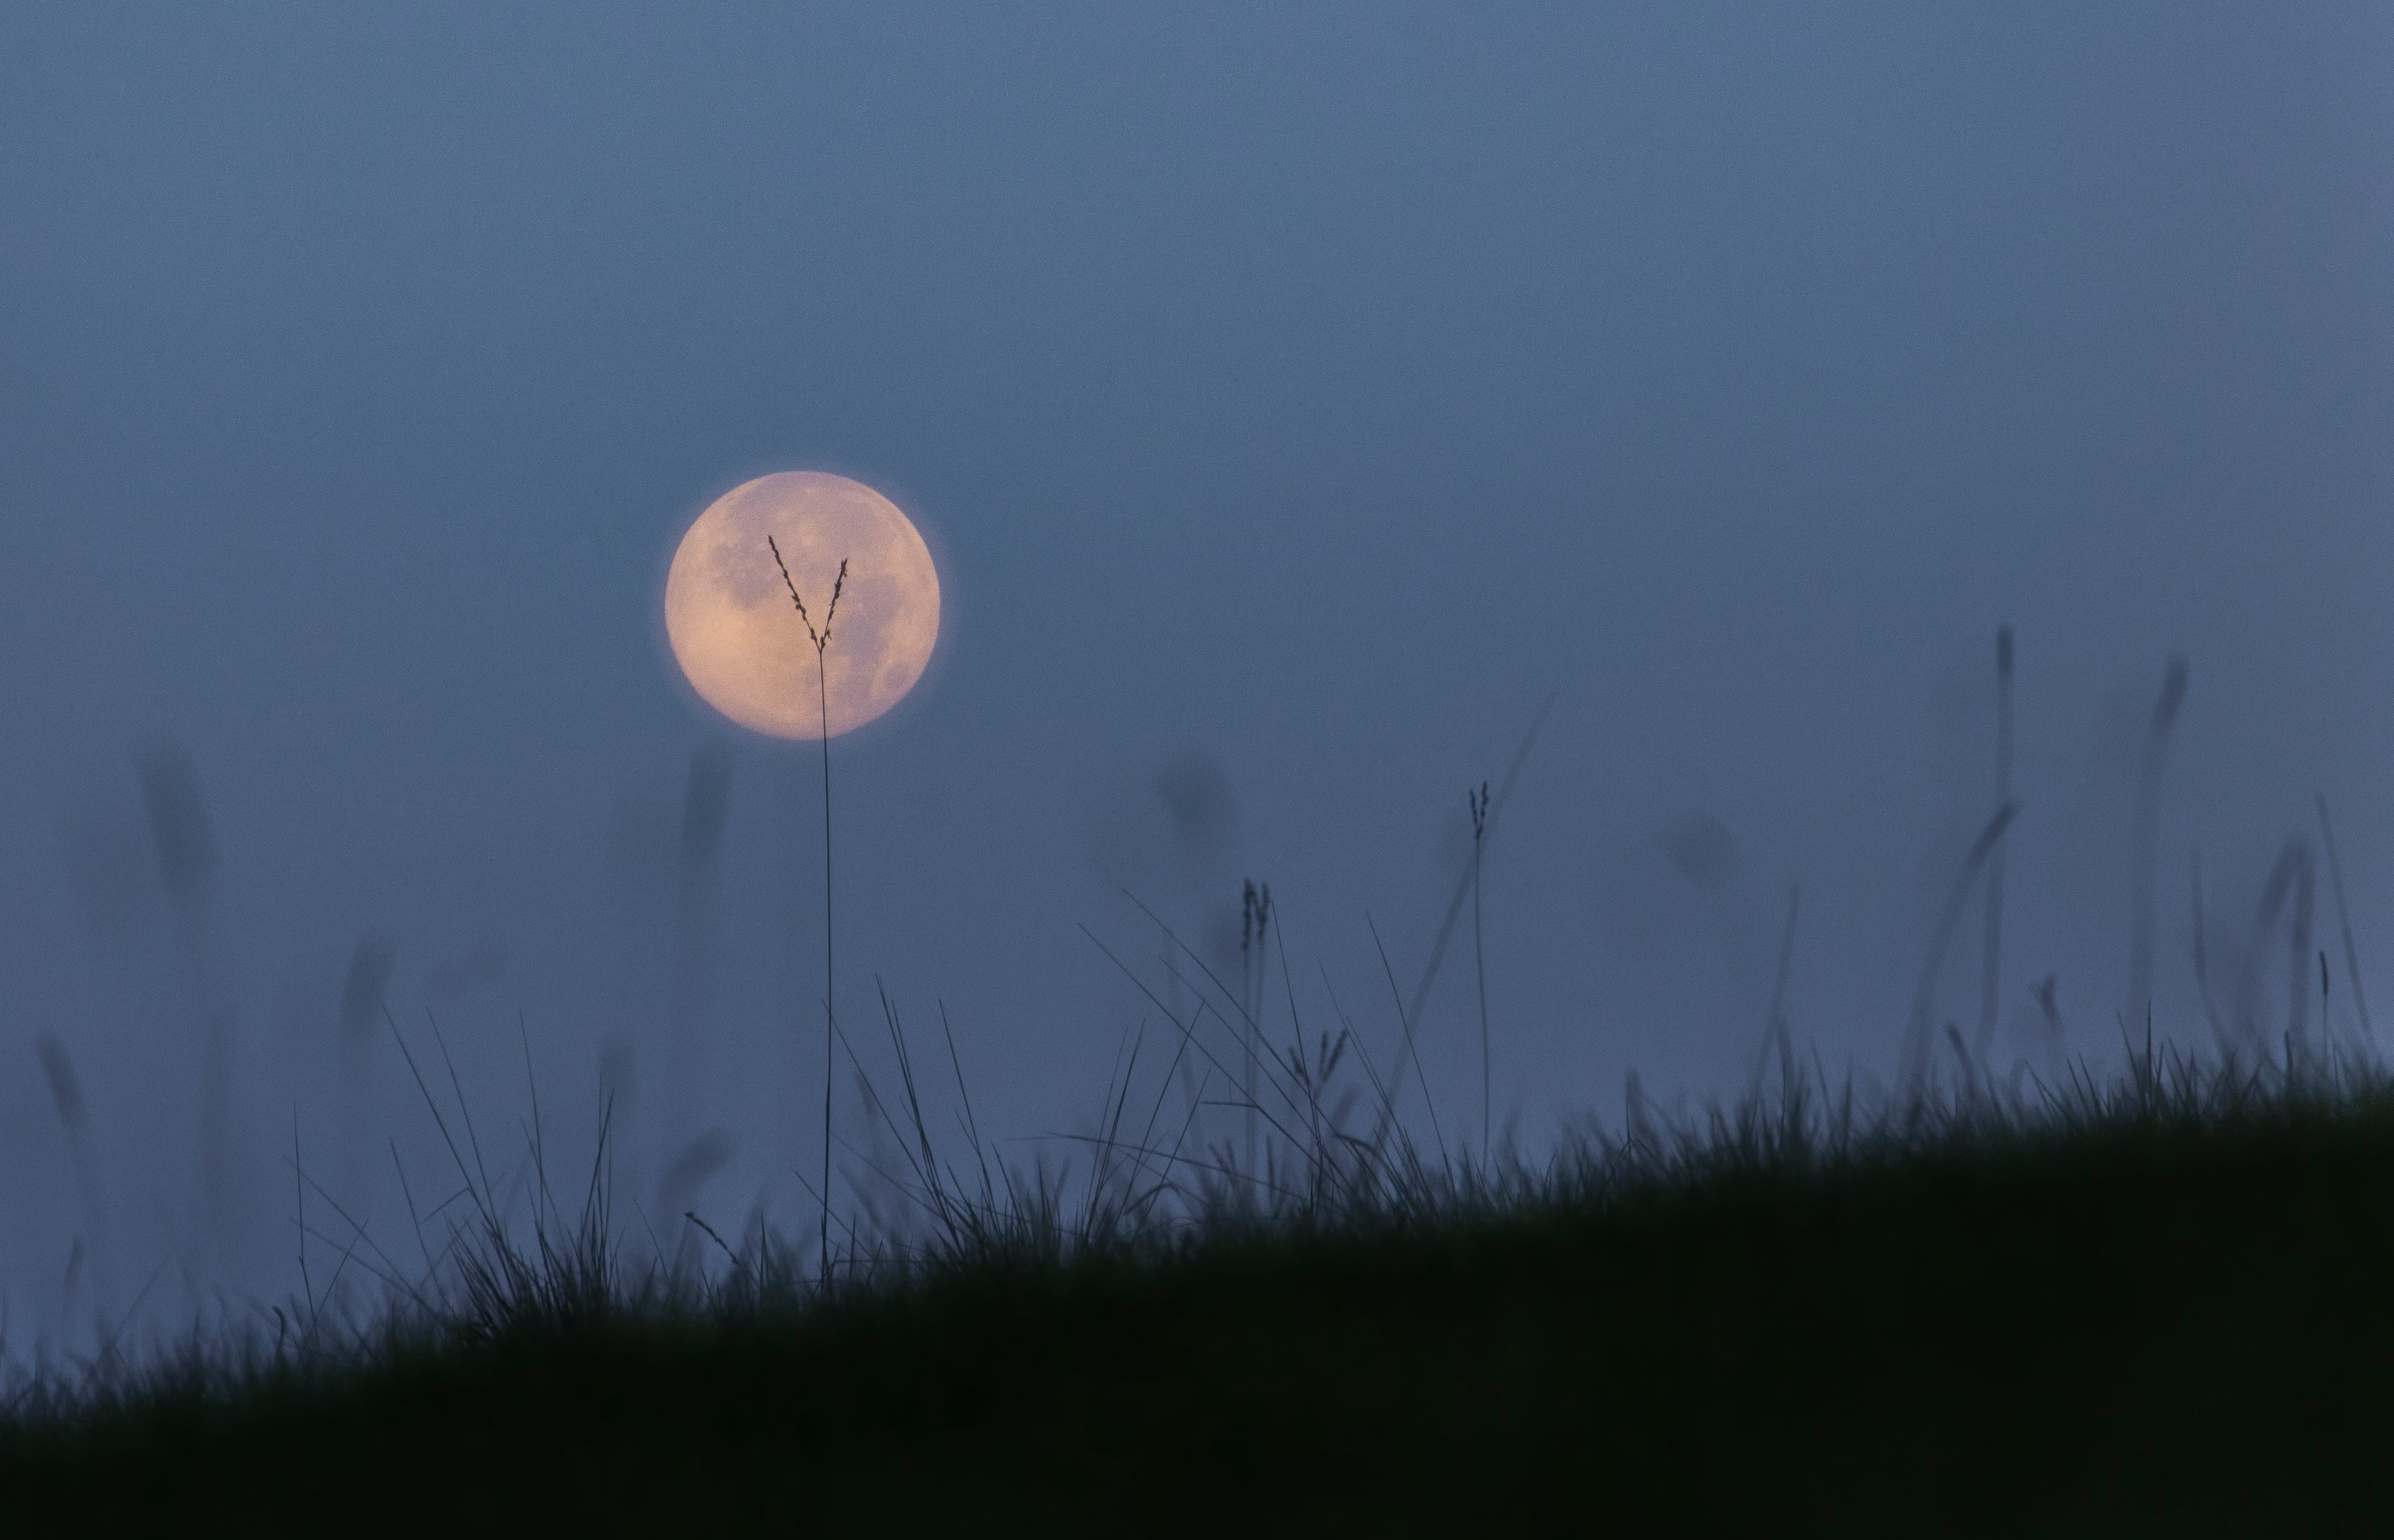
(2149, 1299)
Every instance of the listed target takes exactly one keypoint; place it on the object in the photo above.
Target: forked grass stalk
(822, 640)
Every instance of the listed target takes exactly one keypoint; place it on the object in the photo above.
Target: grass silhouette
(1991, 944)
(2144, 1305)
(822, 642)
(1478, 800)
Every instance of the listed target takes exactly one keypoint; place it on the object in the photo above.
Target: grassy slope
(2117, 1323)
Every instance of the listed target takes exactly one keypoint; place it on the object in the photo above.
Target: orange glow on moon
(740, 642)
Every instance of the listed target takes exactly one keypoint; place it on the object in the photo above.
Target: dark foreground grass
(2165, 1308)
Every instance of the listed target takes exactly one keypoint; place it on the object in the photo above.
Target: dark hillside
(2137, 1321)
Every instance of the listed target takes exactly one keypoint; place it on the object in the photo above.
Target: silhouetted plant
(2344, 919)
(1411, 1012)
(1991, 947)
(1255, 916)
(822, 640)
(1919, 1035)
(2146, 837)
(1479, 801)
(75, 1122)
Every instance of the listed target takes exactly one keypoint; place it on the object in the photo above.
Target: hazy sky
(1292, 397)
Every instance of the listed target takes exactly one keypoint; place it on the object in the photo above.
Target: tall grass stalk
(822, 640)
(2285, 883)
(2219, 1028)
(1776, 1036)
(1479, 801)
(2143, 851)
(2344, 919)
(2298, 950)
(1918, 1041)
(1991, 948)
(1255, 915)
(75, 1122)
(1411, 1012)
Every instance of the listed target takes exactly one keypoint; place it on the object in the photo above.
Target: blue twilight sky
(1292, 396)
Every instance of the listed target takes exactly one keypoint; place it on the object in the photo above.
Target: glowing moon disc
(740, 641)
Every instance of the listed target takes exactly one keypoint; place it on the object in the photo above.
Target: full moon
(740, 641)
